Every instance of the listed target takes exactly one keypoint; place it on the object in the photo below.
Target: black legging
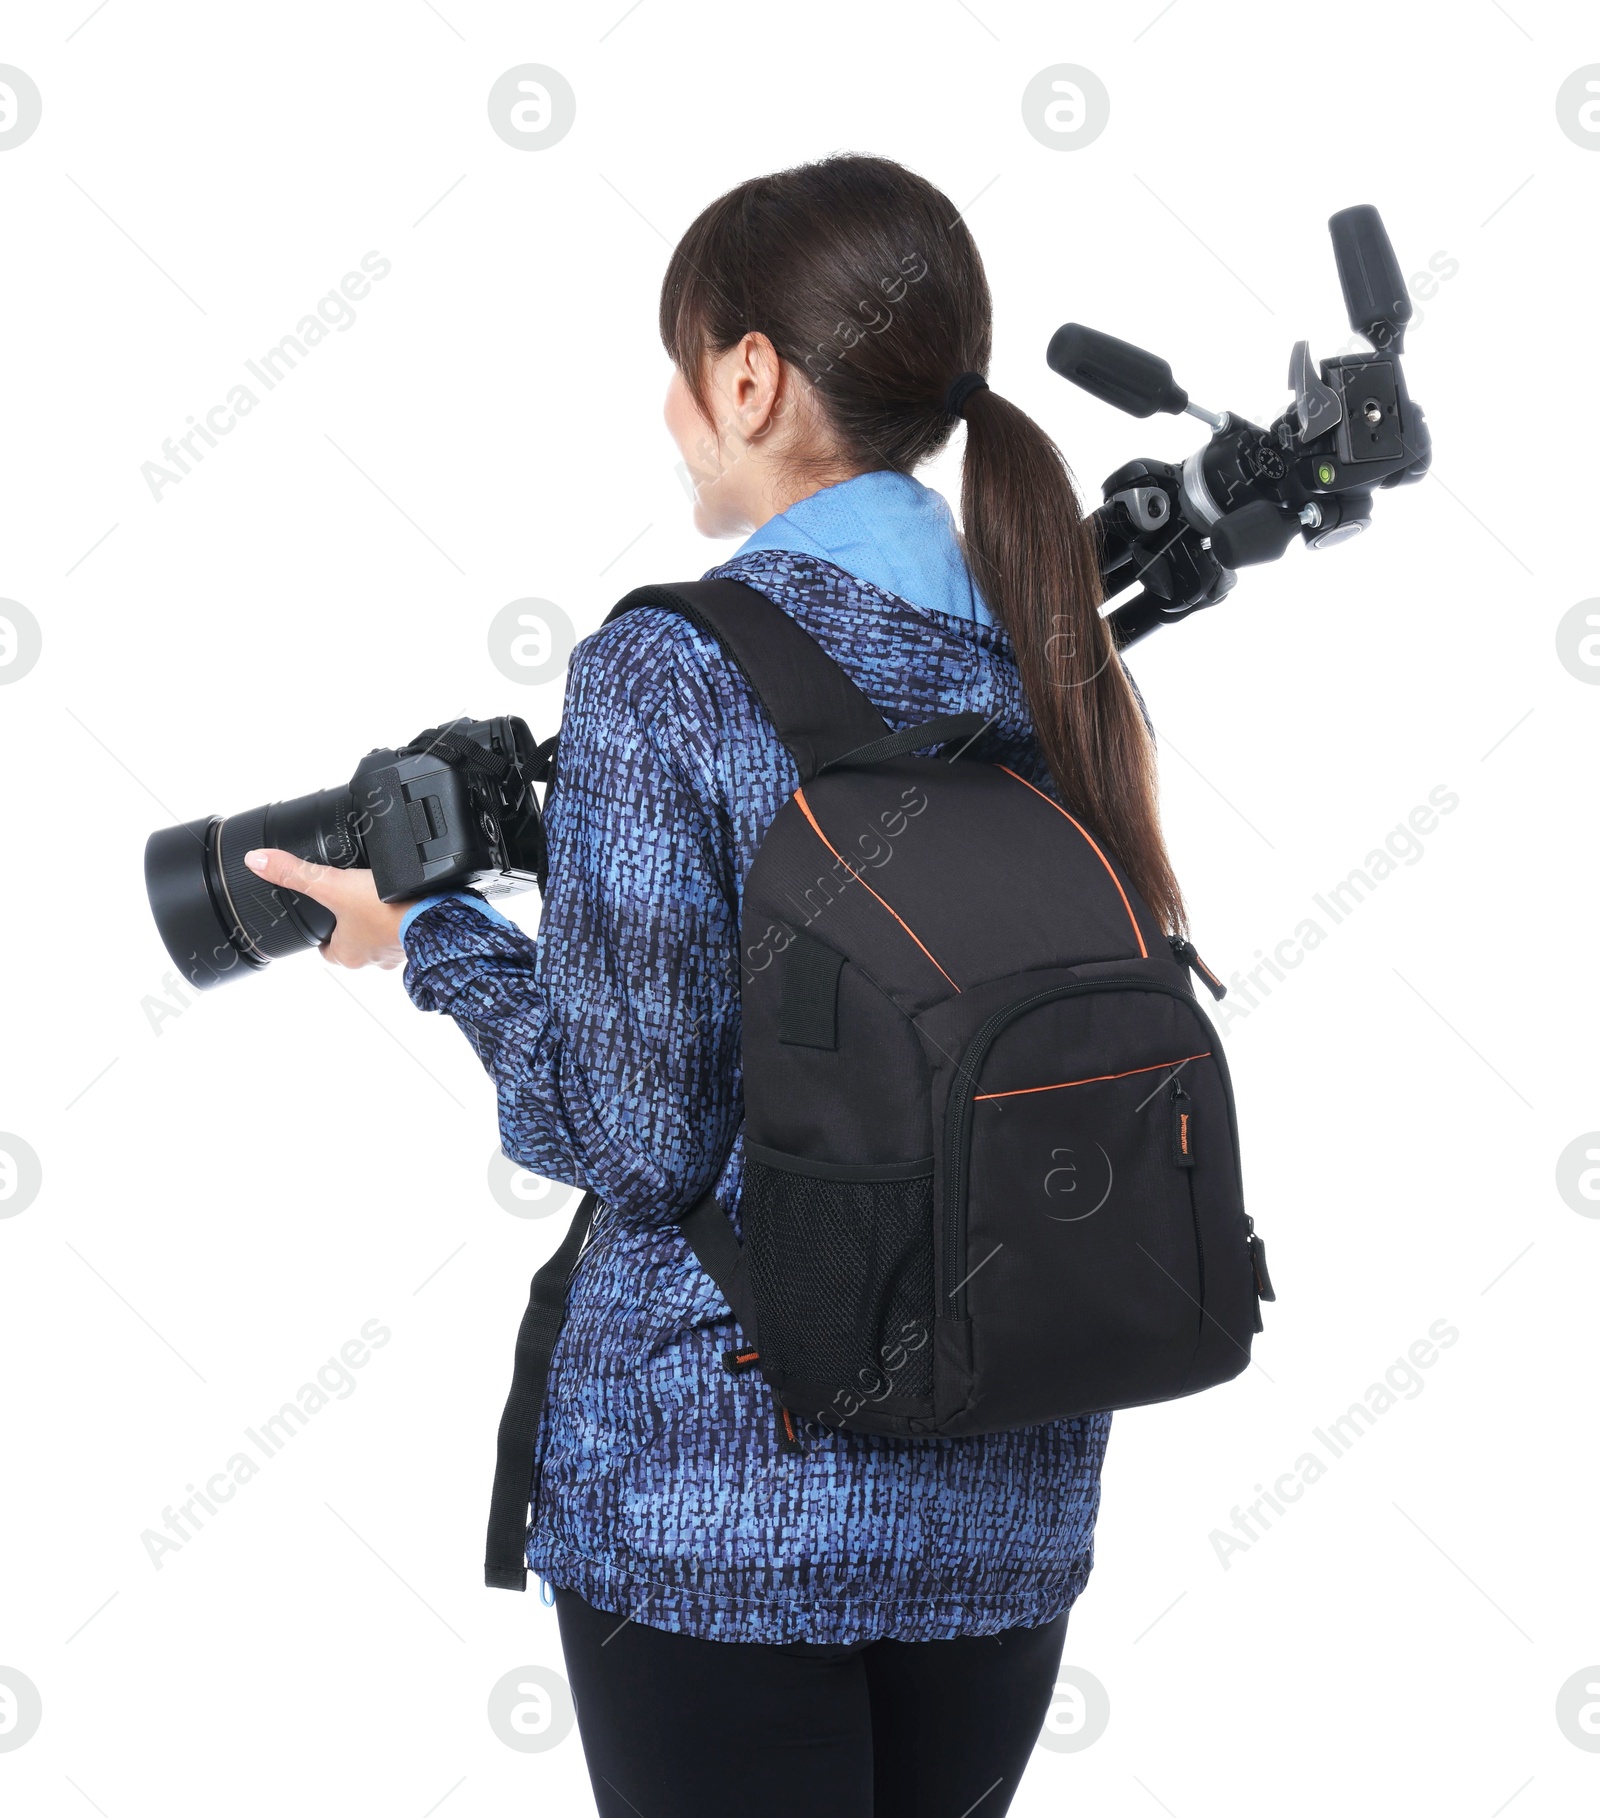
(675, 1727)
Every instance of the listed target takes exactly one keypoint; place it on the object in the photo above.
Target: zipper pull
(788, 1432)
(1258, 1259)
(1183, 951)
(1182, 1126)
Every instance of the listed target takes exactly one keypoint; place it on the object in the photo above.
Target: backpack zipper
(1182, 1126)
(1187, 956)
(1258, 1259)
(959, 1127)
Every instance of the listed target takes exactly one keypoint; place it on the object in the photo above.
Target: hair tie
(961, 388)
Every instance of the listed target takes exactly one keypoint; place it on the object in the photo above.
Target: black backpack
(991, 1159)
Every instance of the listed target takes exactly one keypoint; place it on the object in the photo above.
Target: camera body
(454, 807)
(422, 823)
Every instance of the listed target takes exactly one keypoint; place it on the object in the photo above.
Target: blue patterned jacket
(613, 1042)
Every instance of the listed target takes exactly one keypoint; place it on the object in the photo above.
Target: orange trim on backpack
(1144, 952)
(1093, 1079)
(805, 809)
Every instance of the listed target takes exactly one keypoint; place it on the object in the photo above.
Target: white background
(293, 1156)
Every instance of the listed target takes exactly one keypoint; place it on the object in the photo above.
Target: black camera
(1182, 530)
(455, 807)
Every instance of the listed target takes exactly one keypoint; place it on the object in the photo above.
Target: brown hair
(865, 280)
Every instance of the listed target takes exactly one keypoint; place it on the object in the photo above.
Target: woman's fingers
(324, 884)
(366, 931)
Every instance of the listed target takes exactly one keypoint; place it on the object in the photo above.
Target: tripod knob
(1116, 372)
(1258, 532)
(1375, 296)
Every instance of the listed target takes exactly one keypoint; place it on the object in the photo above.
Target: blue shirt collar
(886, 528)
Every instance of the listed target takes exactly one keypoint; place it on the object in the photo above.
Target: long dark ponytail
(868, 283)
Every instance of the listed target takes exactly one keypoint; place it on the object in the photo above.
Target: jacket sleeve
(613, 1039)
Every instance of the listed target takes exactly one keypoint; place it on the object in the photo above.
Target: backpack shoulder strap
(718, 1251)
(505, 1557)
(817, 711)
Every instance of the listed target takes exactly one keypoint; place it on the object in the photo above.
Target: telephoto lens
(454, 807)
(216, 917)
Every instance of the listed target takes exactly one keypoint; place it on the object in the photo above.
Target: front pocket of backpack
(841, 1261)
(1090, 1164)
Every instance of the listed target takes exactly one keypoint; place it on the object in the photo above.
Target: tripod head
(1182, 531)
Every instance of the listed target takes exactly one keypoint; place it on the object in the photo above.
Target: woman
(873, 1625)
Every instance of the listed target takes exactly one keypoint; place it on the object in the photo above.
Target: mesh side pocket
(843, 1278)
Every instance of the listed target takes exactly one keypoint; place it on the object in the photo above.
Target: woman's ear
(751, 379)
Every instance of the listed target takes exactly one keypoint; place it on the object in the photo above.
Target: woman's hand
(367, 932)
